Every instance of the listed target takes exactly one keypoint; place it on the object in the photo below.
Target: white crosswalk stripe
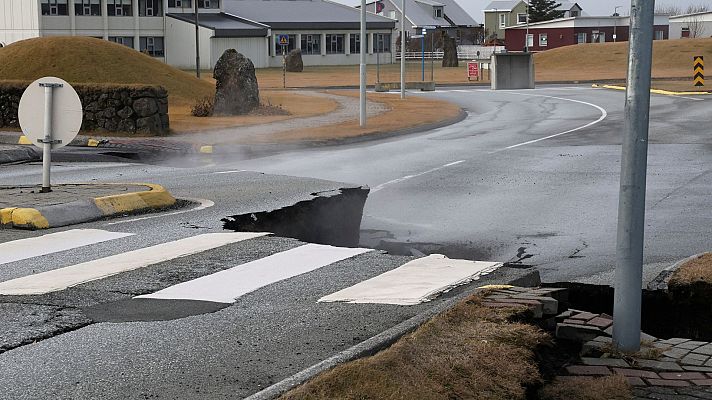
(228, 285)
(23, 249)
(62, 278)
(416, 282)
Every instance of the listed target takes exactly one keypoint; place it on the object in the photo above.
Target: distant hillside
(89, 60)
(671, 58)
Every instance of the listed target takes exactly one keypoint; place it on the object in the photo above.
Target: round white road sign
(66, 115)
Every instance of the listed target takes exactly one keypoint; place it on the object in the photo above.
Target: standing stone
(450, 52)
(294, 61)
(236, 90)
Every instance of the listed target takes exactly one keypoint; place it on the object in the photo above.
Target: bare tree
(674, 9)
(696, 25)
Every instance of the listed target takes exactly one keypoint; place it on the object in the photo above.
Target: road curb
(656, 91)
(19, 138)
(661, 281)
(85, 210)
(381, 341)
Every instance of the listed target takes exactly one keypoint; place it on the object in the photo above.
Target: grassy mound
(90, 60)
(671, 58)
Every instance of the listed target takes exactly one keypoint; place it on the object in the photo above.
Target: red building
(568, 31)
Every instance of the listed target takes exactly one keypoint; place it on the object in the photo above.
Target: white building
(695, 25)
(326, 32)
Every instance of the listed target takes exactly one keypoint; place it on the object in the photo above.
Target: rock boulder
(294, 61)
(236, 90)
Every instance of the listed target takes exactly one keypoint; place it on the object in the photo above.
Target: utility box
(512, 71)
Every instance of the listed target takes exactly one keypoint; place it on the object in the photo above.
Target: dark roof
(225, 25)
(304, 14)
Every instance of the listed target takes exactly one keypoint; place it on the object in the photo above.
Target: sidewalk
(26, 208)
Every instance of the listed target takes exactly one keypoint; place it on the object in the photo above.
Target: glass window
(502, 20)
(127, 41)
(543, 40)
(87, 7)
(311, 43)
(150, 8)
(392, 14)
(529, 42)
(278, 48)
(382, 42)
(335, 44)
(208, 3)
(521, 18)
(119, 8)
(438, 12)
(151, 45)
(581, 37)
(659, 35)
(355, 43)
(180, 3)
(54, 7)
(574, 13)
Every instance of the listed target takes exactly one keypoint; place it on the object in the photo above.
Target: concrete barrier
(512, 71)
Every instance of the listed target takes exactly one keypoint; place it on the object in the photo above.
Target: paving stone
(663, 358)
(648, 338)
(599, 322)
(604, 339)
(702, 382)
(706, 350)
(636, 372)
(689, 360)
(550, 305)
(661, 390)
(682, 375)
(696, 368)
(518, 289)
(592, 348)
(691, 345)
(635, 381)
(668, 382)
(580, 333)
(606, 316)
(608, 362)
(534, 305)
(585, 315)
(658, 365)
(676, 353)
(675, 341)
(699, 392)
(587, 370)
(574, 321)
(564, 315)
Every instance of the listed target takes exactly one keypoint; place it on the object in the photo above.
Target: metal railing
(482, 54)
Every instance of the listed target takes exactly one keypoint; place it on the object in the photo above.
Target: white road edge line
(228, 285)
(23, 249)
(63, 278)
(405, 178)
(204, 203)
(604, 115)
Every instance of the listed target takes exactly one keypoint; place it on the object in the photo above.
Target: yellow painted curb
(656, 91)
(23, 140)
(92, 143)
(206, 149)
(23, 218)
(157, 197)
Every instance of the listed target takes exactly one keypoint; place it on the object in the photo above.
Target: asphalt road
(529, 177)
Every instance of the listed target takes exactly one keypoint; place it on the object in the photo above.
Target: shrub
(203, 108)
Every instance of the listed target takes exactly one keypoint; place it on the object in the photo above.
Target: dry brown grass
(601, 61)
(586, 388)
(681, 86)
(412, 113)
(469, 352)
(295, 104)
(696, 270)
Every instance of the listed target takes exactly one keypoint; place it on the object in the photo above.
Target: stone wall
(107, 108)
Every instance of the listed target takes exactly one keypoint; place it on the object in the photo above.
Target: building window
(150, 8)
(685, 32)
(334, 44)
(291, 46)
(151, 45)
(581, 37)
(208, 3)
(180, 3)
(521, 18)
(502, 20)
(311, 43)
(392, 14)
(382, 42)
(355, 43)
(438, 12)
(660, 35)
(127, 41)
(529, 41)
(598, 37)
(574, 13)
(54, 7)
(543, 40)
(87, 7)
(119, 8)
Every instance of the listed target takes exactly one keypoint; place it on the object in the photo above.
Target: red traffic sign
(473, 70)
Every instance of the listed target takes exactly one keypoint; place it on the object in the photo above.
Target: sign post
(473, 70)
(58, 122)
(284, 43)
(699, 65)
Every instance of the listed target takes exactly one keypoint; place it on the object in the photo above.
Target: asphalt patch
(146, 310)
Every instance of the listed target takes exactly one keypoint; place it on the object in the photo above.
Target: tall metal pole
(47, 141)
(526, 39)
(197, 41)
(403, 44)
(362, 66)
(422, 49)
(631, 205)
(615, 22)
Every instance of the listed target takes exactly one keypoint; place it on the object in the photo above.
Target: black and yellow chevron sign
(699, 77)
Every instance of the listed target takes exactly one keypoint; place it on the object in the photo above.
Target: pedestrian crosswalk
(413, 281)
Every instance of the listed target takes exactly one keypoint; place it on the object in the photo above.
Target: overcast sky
(593, 7)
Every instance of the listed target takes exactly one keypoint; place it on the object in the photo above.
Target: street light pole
(615, 22)
(197, 42)
(526, 39)
(362, 67)
(631, 204)
(403, 44)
